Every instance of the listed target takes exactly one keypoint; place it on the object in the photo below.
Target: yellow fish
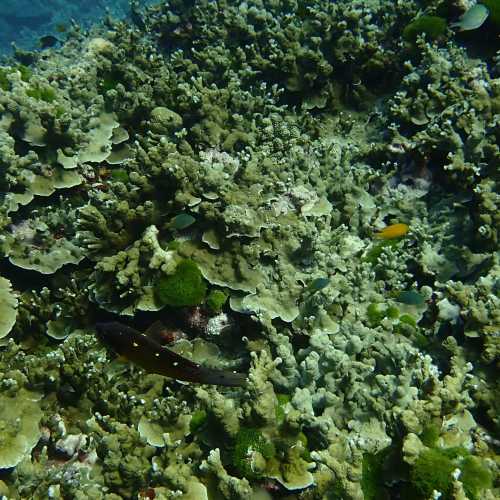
(393, 231)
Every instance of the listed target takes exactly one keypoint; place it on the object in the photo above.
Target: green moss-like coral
(248, 443)
(185, 287)
(434, 470)
(475, 477)
(216, 300)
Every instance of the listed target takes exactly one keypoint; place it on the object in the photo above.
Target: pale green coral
(20, 417)
(8, 307)
(120, 285)
(44, 243)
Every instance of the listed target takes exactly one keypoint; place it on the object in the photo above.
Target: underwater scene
(249, 250)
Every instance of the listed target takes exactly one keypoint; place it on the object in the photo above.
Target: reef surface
(304, 191)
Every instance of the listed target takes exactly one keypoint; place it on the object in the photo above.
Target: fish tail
(221, 377)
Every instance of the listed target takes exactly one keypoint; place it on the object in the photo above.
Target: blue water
(24, 22)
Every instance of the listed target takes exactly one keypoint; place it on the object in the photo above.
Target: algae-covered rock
(20, 416)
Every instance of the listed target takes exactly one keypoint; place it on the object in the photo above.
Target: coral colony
(283, 217)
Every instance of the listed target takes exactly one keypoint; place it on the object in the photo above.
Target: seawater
(24, 22)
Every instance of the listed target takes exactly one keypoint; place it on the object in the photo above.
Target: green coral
(216, 300)
(19, 427)
(185, 287)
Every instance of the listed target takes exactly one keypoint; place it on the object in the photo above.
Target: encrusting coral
(304, 192)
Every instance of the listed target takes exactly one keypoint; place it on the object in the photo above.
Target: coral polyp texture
(303, 192)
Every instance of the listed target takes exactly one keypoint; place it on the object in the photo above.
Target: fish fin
(155, 331)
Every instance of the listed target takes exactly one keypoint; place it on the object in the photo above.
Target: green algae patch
(371, 479)
(186, 287)
(435, 468)
(251, 446)
(432, 471)
(4, 81)
(198, 420)
(120, 175)
(430, 434)
(216, 300)
(19, 427)
(42, 93)
(475, 477)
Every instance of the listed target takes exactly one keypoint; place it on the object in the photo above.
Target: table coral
(9, 305)
(20, 417)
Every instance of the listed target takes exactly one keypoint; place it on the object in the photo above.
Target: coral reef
(306, 192)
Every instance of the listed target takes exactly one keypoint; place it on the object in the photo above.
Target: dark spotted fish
(47, 41)
(141, 349)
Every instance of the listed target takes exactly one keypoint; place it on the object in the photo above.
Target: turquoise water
(24, 22)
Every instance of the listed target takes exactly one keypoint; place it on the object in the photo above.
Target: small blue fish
(182, 221)
(473, 19)
(318, 284)
(410, 297)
